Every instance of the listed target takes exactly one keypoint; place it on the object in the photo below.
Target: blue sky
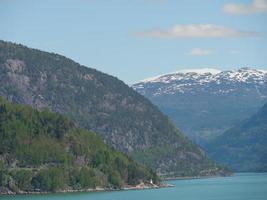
(137, 39)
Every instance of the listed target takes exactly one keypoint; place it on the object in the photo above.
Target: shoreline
(190, 178)
(194, 177)
(140, 186)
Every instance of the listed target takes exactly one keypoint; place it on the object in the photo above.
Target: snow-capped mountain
(200, 80)
(205, 102)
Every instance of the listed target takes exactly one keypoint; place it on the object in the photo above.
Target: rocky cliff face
(96, 101)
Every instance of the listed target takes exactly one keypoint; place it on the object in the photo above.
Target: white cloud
(256, 6)
(196, 31)
(199, 52)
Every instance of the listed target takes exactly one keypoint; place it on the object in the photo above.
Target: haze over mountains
(217, 109)
(206, 102)
(96, 101)
(243, 147)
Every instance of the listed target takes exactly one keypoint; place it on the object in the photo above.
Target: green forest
(43, 151)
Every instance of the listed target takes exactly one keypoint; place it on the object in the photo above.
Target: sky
(136, 39)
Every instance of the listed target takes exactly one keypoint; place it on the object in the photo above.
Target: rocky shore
(141, 186)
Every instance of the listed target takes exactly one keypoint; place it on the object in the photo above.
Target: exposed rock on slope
(101, 103)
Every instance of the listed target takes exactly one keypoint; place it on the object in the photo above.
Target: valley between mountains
(222, 111)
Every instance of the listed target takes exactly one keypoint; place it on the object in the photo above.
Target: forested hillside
(243, 147)
(46, 152)
(101, 103)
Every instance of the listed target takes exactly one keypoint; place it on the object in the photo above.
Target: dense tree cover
(243, 147)
(43, 151)
(95, 101)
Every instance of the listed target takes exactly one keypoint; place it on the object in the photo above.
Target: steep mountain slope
(43, 151)
(243, 147)
(99, 102)
(206, 102)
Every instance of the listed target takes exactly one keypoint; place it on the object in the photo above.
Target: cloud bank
(196, 31)
(257, 6)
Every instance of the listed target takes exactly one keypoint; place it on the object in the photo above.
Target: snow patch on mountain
(183, 71)
(196, 80)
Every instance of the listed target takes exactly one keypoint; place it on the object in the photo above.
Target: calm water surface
(245, 186)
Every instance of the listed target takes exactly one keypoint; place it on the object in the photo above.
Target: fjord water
(243, 186)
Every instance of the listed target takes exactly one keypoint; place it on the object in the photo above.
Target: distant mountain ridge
(185, 80)
(204, 103)
(183, 71)
(243, 147)
(96, 101)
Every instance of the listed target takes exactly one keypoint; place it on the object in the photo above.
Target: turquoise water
(246, 186)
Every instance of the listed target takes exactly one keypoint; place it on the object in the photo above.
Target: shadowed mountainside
(243, 147)
(96, 101)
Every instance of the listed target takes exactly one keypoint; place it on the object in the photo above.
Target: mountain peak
(182, 71)
(208, 75)
(204, 105)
